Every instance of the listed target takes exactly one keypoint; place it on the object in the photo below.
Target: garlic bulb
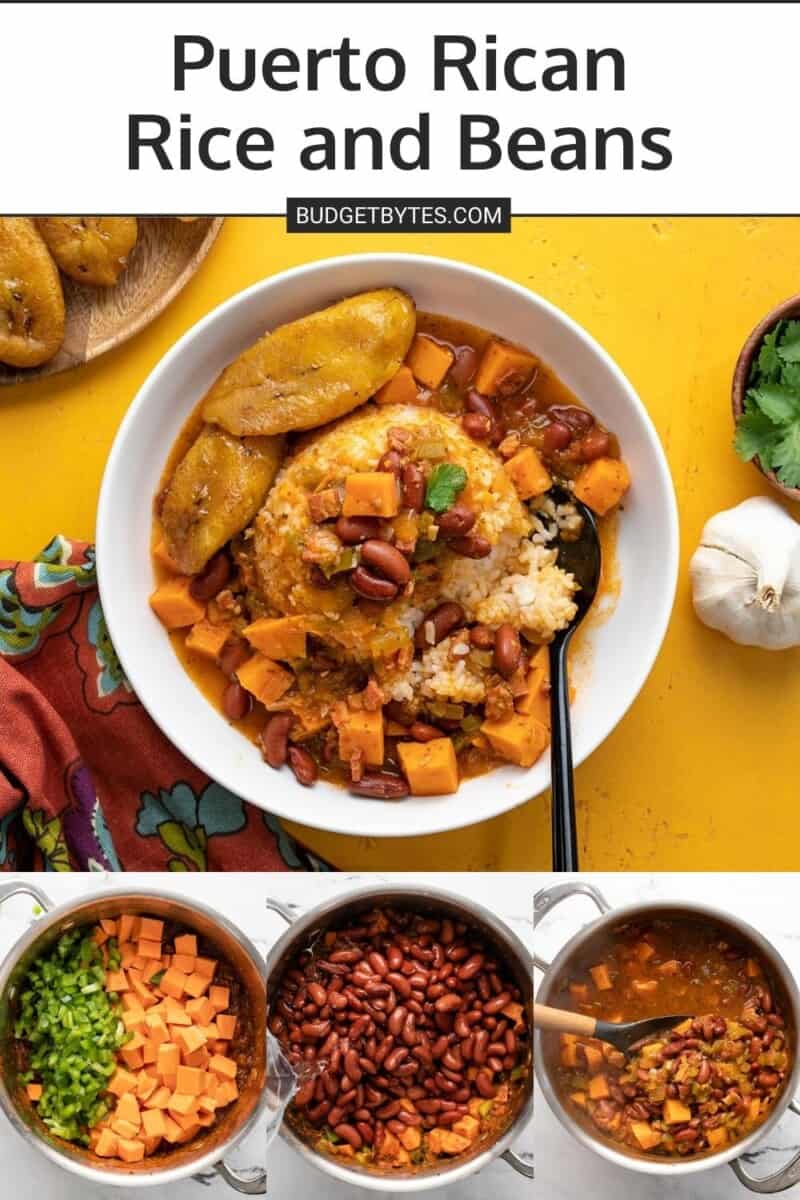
(746, 575)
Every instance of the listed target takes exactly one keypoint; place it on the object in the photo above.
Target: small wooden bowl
(788, 309)
(167, 254)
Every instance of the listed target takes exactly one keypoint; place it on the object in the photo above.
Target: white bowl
(623, 648)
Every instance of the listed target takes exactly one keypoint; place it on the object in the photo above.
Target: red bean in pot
(438, 624)
(413, 487)
(236, 702)
(235, 652)
(456, 521)
(352, 530)
(471, 546)
(213, 577)
(477, 426)
(303, 765)
(595, 444)
(371, 586)
(507, 650)
(385, 559)
(556, 436)
(380, 785)
(274, 741)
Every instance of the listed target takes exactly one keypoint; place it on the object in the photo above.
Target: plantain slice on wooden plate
(90, 250)
(316, 369)
(31, 300)
(215, 491)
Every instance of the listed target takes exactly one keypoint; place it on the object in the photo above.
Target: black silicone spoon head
(581, 557)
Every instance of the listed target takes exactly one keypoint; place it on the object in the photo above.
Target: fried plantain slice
(90, 249)
(315, 369)
(31, 299)
(216, 490)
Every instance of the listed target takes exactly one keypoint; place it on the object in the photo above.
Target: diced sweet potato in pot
(602, 484)
(315, 369)
(371, 494)
(362, 731)
(528, 474)
(401, 389)
(503, 369)
(428, 361)
(174, 605)
(278, 637)
(431, 768)
(264, 679)
(519, 737)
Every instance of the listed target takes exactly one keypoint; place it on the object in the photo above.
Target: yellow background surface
(702, 772)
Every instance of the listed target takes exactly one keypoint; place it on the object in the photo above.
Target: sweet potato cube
(196, 985)
(172, 1131)
(198, 1058)
(362, 730)
(602, 484)
(174, 983)
(206, 967)
(205, 1119)
(520, 738)
(644, 951)
(34, 1092)
(130, 1150)
(717, 1138)
(528, 474)
(226, 1024)
(429, 361)
(190, 1081)
(128, 1109)
(122, 1081)
(107, 1144)
(210, 1032)
(675, 1112)
(371, 494)
(174, 604)
(128, 928)
(186, 943)
(503, 369)
(181, 1104)
(207, 640)
(278, 637)
(514, 1012)
(220, 997)
(191, 1039)
(159, 1099)
(598, 1087)
(108, 926)
(579, 992)
(175, 1013)
(132, 1058)
(147, 1084)
(264, 679)
(184, 963)
(601, 977)
(124, 1129)
(151, 929)
(644, 986)
(146, 997)
(225, 1067)
(207, 1103)
(431, 768)
(201, 1010)
(117, 981)
(446, 1142)
(411, 1139)
(169, 1059)
(594, 1058)
(227, 1092)
(645, 1135)
(401, 389)
(578, 1098)
(467, 1127)
(568, 1055)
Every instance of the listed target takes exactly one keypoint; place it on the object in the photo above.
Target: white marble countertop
(243, 899)
(565, 1169)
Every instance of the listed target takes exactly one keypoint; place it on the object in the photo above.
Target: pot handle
(250, 1182)
(778, 1181)
(546, 900)
(283, 910)
(519, 1164)
(22, 887)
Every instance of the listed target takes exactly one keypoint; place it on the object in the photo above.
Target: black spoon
(582, 558)
(624, 1035)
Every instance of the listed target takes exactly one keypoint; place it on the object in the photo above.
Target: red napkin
(87, 781)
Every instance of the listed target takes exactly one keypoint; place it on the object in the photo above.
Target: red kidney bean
(496, 1003)
(236, 702)
(399, 982)
(422, 732)
(235, 652)
(413, 487)
(366, 1132)
(391, 462)
(464, 366)
(438, 623)
(213, 577)
(483, 1082)
(387, 560)
(352, 530)
(578, 419)
(456, 521)
(274, 741)
(448, 1003)
(475, 402)
(303, 765)
(395, 1058)
(477, 426)
(471, 546)
(372, 587)
(380, 785)
(507, 650)
(482, 637)
(318, 994)
(348, 1133)
(594, 444)
(556, 436)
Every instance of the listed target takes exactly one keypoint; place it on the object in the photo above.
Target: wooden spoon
(622, 1035)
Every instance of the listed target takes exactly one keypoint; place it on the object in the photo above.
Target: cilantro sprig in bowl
(766, 398)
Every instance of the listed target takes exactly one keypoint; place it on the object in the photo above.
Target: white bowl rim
(453, 815)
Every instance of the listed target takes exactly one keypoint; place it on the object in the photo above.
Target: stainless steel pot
(207, 1152)
(431, 901)
(546, 1044)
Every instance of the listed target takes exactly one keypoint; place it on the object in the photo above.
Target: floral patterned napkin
(87, 781)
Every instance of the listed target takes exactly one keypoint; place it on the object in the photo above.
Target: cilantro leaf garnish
(769, 427)
(445, 482)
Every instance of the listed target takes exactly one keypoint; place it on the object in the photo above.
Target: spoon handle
(565, 838)
(561, 1021)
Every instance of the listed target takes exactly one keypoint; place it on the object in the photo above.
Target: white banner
(563, 108)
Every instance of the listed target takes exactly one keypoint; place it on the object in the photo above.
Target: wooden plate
(164, 259)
